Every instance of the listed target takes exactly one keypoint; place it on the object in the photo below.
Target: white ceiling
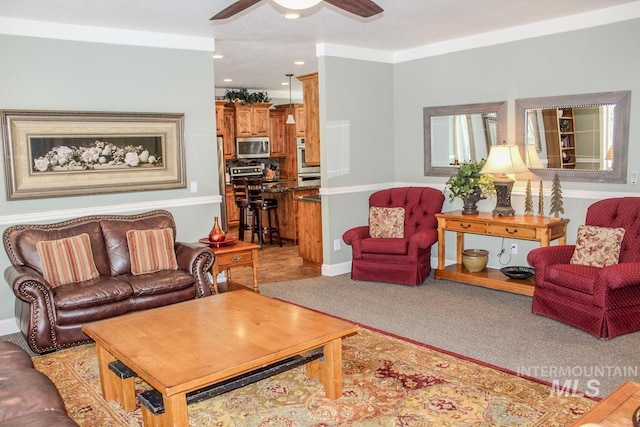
(260, 46)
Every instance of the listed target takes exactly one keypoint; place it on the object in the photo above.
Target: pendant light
(290, 119)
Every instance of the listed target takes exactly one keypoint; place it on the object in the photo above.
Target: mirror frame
(620, 134)
(485, 107)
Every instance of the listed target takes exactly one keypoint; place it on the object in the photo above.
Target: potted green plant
(243, 96)
(470, 185)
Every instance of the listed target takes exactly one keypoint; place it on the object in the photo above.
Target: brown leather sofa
(27, 396)
(51, 318)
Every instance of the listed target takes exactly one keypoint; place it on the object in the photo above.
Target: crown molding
(538, 29)
(50, 30)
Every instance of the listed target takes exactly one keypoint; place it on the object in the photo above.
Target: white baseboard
(8, 327)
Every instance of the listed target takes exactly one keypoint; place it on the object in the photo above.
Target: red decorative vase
(216, 234)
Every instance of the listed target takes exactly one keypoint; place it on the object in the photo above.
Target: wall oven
(253, 148)
(303, 167)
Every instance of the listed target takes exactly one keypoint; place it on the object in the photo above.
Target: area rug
(388, 381)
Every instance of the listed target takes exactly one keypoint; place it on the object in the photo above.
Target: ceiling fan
(363, 8)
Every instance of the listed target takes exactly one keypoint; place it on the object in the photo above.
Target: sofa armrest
(37, 323)
(28, 285)
(196, 259)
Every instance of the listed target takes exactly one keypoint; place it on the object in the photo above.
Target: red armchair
(404, 260)
(603, 301)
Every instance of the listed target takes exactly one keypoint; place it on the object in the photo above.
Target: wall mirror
(580, 137)
(459, 133)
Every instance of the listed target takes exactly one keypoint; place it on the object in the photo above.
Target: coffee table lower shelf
(488, 278)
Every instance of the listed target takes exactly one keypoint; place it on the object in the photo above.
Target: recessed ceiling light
(292, 15)
(217, 56)
(228, 80)
(285, 83)
(299, 63)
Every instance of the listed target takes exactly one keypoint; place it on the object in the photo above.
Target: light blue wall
(45, 74)
(598, 59)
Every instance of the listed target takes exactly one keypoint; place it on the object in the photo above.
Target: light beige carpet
(387, 382)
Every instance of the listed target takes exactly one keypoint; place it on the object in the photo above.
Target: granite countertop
(283, 186)
(314, 198)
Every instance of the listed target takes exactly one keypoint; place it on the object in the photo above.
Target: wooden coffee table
(615, 409)
(190, 345)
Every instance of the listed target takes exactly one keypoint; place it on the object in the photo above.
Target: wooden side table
(238, 254)
(615, 409)
(522, 227)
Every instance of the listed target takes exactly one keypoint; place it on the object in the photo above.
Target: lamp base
(503, 196)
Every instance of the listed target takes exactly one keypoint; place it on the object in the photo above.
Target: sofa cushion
(67, 260)
(386, 222)
(160, 282)
(151, 250)
(100, 291)
(385, 246)
(597, 246)
(115, 237)
(21, 240)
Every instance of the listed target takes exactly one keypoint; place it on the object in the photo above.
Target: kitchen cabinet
(299, 117)
(312, 118)
(220, 116)
(229, 134)
(251, 119)
(233, 213)
(309, 212)
(277, 137)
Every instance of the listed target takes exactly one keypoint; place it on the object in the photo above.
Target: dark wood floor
(275, 264)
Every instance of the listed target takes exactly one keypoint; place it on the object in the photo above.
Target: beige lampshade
(504, 159)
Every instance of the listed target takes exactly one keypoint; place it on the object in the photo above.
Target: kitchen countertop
(286, 185)
(314, 198)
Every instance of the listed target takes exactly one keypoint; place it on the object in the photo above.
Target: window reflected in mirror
(461, 133)
(580, 137)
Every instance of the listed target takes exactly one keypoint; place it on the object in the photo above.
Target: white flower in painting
(63, 161)
(131, 159)
(41, 164)
(106, 151)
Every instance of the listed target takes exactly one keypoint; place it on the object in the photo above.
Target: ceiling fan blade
(364, 8)
(235, 8)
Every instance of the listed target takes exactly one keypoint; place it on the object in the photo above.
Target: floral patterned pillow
(597, 246)
(386, 222)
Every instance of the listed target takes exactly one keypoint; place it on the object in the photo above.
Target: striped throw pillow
(67, 260)
(151, 250)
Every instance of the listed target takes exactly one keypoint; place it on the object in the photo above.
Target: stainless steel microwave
(253, 148)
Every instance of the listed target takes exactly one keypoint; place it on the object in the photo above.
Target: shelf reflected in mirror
(455, 134)
(580, 137)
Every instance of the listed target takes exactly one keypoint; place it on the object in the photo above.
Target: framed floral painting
(67, 153)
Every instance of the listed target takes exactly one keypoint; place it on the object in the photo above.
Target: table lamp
(503, 159)
(533, 160)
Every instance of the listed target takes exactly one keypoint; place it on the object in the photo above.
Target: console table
(521, 227)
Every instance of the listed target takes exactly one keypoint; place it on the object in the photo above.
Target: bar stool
(261, 206)
(241, 199)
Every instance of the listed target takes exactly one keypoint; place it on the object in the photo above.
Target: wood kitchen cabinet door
(229, 134)
(220, 117)
(277, 136)
(252, 120)
(312, 118)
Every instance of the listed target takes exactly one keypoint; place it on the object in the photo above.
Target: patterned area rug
(387, 382)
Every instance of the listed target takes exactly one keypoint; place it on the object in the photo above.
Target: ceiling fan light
(297, 4)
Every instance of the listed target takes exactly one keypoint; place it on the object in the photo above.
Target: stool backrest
(240, 196)
(254, 192)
